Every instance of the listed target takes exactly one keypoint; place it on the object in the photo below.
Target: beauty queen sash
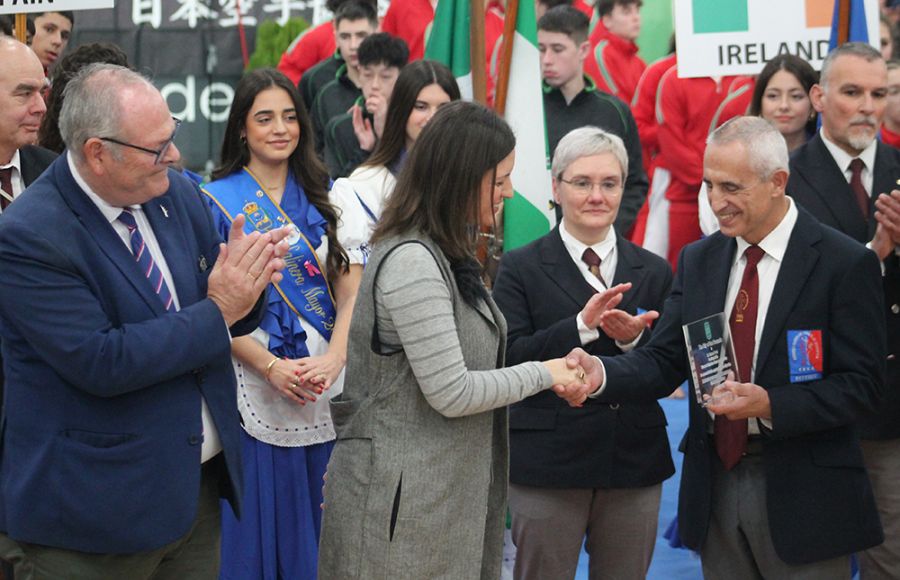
(303, 286)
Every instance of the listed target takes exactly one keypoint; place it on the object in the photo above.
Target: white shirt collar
(15, 162)
(110, 212)
(576, 247)
(843, 159)
(774, 244)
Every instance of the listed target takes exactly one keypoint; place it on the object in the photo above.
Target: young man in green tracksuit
(571, 101)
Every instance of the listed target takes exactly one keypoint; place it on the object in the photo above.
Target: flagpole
(476, 51)
(21, 27)
(509, 33)
(843, 31)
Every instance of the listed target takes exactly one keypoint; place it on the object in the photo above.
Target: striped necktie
(145, 260)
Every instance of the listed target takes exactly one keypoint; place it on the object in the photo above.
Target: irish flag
(528, 215)
(449, 42)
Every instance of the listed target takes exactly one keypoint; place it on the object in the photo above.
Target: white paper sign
(21, 6)
(729, 37)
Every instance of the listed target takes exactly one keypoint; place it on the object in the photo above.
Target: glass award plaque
(711, 357)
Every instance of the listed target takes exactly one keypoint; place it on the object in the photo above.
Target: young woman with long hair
(289, 367)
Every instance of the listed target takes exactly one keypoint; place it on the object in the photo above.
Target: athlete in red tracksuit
(643, 107)
(888, 137)
(584, 7)
(311, 47)
(689, 110)
(493, 32)
(613, 63)
(409, 19)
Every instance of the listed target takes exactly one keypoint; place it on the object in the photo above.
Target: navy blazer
(33, 161)
(819, 501)
(818, 184)
(101, 438)
(540, 291)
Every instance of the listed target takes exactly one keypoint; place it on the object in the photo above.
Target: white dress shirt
(211, 443)
(843, 159)
(774, 245)
(609, 256)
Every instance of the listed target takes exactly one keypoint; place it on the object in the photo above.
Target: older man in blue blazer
(773, 483)
(120, 428)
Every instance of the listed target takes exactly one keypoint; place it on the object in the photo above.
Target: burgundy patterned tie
(593, 261)
(856, 184)
(731, 436)
(6, 186)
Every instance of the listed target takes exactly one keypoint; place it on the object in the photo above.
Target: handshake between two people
(579, 374)
(576, 376)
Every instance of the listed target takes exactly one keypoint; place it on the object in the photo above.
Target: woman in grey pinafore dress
(417, 481)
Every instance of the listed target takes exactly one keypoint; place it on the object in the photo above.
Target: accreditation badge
(805, 355)
(644, 311)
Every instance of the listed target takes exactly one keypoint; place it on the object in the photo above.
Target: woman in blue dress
(290, 367)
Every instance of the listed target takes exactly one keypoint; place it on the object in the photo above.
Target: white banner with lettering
(21, 6)
(730, 37)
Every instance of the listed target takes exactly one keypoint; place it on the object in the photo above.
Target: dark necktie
(856, 184)
(145, 261)
(731, 436)
(6, 186)
(593, 261)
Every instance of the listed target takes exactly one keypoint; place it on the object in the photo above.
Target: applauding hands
(601, 312)
(245, 266)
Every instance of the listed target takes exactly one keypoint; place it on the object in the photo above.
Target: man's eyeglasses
(157, 153)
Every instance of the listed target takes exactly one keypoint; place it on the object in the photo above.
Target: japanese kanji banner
(191, 51)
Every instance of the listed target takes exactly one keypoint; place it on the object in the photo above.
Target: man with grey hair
(847, 179)
(773, 483)
(117, 304)
(552, 295)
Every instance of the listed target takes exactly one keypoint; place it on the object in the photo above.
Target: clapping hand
(887, 214)
(623, 327)
(362, 128)
(602, 302)
(245, 266)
